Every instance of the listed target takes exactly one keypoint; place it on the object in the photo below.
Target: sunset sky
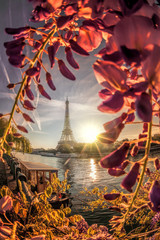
(49, 115)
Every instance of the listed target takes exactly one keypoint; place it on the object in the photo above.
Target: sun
(89, 133)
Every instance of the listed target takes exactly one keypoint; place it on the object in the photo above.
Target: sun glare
(89, 133)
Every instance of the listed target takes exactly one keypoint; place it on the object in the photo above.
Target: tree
(14, 140)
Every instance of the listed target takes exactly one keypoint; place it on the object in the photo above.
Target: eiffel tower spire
(67, 134)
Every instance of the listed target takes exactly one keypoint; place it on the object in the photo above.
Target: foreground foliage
(38, 220)
(128, 70)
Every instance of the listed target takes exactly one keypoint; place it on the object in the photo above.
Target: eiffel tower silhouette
(67, 134)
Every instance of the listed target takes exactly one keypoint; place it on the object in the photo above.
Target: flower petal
(113, 104)
(64, 21)
(32, 72)
(28, 105)
(115, 158)
(111, 135)
(110, 75)
(17, 60)
(130, 180)
(115, 172)
(49, 81)
(27, 117)
(76, 48)
(52, 50)
(43, 92)
(65, 71)
(144, 107)
(29, 93)
(70, 58)
(154, 195)
(23, 129)
(111, 196)
(89, 40)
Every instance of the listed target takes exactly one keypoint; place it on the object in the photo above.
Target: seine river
(82, 173)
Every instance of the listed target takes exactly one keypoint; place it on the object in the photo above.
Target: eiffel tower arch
(67, 134)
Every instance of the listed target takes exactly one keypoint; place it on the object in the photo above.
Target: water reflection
(93, 169)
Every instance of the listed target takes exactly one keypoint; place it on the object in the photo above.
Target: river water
(82, 173)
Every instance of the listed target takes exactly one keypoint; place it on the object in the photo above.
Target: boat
(38, 174)
(61, 199)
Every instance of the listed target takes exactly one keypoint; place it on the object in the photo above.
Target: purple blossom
(64, 21)
(40, 14)
(116, 172)
(14, 43)
(17, 135)
(134, 151)
(154, 196)
(129, 7)
(130, 180)
(32, 72)
(17, 50)
(27, 117)
(28, 105)
(113, 104)
(130, 117)
(115, 122)
(43, 92)
(105, 94)
(65, 71)
(115, 158)
(145, 127)
(144, 107)
(17, 31)
(76, 48)
(124, 164)
(111, 196)
(89, 40)
(52, 50)
(70, 58)
(49, 81)
(17, 60)
(22, 129)
(29, 93)
(157, 164)
(111, 135)
(110, 75)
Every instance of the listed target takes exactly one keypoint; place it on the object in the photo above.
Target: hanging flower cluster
(127, 68)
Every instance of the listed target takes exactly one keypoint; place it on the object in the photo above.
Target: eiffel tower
(67, 134)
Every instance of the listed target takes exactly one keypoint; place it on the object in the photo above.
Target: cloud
(6, 95)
